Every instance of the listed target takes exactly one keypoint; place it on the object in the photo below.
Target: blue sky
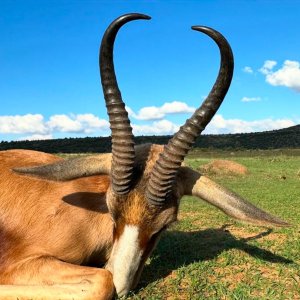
(49, 76)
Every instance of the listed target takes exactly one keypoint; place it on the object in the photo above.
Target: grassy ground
(207, 255)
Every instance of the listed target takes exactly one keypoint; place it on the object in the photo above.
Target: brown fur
(68, 221)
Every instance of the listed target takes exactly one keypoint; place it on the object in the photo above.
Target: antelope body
(62, 220)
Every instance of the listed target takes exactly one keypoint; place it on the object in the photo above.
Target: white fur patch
(125, 259)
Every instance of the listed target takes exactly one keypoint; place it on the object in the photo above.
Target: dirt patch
(224, 167)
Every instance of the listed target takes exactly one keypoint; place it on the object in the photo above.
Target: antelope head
(148, 181)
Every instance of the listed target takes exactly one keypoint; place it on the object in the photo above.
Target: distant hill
(276, 139)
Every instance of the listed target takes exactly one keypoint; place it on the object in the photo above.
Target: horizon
(150, 136)
(49, 77)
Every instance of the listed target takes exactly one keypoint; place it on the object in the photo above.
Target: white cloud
(36, 137)
(82, 123)
(91, 123)
(130, 111)
(149, 113)
(64, 123)
(163, 127)
(288, 75)
(23, 124)
(268, 66)
(157, 113)
(248, 70)
(220, 125)
(250, 99)
(34, 127)
(176, 107)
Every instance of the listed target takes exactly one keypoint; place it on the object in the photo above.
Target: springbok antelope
(61, 219)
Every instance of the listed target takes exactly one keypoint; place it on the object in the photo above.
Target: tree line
(276, 139)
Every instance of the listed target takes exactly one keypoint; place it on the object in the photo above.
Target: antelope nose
(122, 291)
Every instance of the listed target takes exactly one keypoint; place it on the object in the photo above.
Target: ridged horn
(167, 165)
(121, 131)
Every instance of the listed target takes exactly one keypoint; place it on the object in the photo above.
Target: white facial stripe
(125, 259)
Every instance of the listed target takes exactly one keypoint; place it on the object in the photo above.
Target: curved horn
(69, 169)
(229, 202)
(122, 138)
(166, 167)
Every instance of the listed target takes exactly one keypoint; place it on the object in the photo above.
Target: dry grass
(223, 167)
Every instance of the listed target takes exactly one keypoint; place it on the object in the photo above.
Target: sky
(49, 73)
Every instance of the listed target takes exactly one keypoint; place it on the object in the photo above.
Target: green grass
(207, 255)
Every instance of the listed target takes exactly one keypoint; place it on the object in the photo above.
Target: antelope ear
(71, 168)
(229, 202)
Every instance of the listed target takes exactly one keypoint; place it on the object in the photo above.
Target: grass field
(207, 255)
